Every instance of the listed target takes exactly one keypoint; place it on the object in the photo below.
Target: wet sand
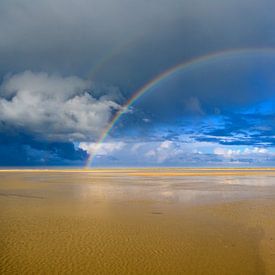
(137, 221)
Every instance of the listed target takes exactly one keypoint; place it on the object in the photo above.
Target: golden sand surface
(137, 221)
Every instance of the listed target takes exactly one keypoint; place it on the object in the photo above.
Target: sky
(68, 67)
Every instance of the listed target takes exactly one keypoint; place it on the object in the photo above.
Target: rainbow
(115, 52)
(182, 67)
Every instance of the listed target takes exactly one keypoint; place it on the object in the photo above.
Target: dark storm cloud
(70, 36)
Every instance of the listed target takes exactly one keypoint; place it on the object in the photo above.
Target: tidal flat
(137, 221)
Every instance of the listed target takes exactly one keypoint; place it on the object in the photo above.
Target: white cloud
(245, 155)
(164, 151)
(103, 149)
(228, 153)
(55, 107)
(256, 150)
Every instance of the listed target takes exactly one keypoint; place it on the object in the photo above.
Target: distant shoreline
(155, 172)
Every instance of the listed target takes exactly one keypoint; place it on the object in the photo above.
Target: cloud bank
(175, 153)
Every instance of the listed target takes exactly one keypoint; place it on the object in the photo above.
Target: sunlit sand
(137, 221)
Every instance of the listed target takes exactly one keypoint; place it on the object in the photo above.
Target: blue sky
(66, 70)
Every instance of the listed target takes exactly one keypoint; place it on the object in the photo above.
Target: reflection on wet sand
(140, 221)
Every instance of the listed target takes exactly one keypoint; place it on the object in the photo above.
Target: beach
(137, 221)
